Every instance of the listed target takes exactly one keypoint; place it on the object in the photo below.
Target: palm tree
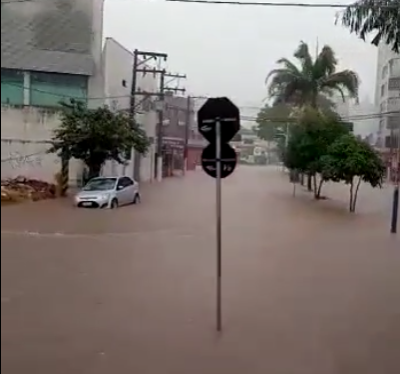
(312, 81)
(367, 17)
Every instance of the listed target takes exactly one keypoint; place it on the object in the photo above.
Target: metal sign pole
(218, 224)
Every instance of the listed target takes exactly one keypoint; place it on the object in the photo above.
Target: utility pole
(141, 58)
(164, 87)
(187, 130)
(395, 148)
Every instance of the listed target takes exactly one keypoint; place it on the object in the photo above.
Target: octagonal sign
(218, 109)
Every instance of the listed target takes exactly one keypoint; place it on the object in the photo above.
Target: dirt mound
(21, 188)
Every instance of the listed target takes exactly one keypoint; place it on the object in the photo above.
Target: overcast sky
(228, 50)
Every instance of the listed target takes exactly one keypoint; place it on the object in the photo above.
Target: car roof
(114, 177)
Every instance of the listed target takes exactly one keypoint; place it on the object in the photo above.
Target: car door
(125, 194)
(121, 191)
(130, 189)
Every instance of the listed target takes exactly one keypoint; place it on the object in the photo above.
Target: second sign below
(228, 160)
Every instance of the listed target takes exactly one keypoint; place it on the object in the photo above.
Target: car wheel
(114, 204)
(136, 199)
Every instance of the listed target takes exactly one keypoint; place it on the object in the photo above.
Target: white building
(387, 96)
(117, 72)
(50, 50)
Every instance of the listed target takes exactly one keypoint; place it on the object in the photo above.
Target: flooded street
(307, 287)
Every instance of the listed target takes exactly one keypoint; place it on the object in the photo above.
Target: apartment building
(387, 96)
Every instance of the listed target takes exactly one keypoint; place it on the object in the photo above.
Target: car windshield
(100, 184)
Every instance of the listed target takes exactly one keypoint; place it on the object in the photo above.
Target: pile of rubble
(21, 188)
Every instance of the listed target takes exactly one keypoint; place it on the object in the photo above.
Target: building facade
(387, 94)
(118, 73)
(50, 52)
(179, 126)
(387, 98)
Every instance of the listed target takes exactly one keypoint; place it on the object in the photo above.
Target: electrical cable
(286, 4)
(252, 3)
(246, 118)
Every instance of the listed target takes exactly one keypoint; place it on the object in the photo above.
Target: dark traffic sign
(209, 160)
(218, 109)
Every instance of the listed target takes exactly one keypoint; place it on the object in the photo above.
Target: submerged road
(307, 288)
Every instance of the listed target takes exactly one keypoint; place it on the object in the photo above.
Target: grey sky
(228, 50)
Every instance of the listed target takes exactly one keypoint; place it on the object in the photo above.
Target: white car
(108, 192)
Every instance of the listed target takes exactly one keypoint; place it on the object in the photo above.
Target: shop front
(173, 155)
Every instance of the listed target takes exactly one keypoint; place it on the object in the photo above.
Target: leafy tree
(271, 121)
(311, 78)
(353, 161)
(381, 18)
(95, 136)
(309, 142)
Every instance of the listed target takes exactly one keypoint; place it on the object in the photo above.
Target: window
(124, 84)
(125, 182)
(384, 71)
(100, 184)
(394, 67)
(49, 89)
(393, 122)
(394, 84)
(12, 87)
(383, 90)
(391, 142)
(394, 103)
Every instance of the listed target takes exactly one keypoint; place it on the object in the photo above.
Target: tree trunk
(321, 182)
(351, 196)
(302, 179)
(314, 180)
(94, 169)
(309, 182)
(355, 195)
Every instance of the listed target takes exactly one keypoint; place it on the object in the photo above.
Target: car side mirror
(119, 187)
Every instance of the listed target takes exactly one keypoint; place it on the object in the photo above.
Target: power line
(61, 95)
(360, 117)
(255, 3)
(246, 118)
(286, 4)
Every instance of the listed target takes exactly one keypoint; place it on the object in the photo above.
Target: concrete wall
(117, 72)
(25, 134)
